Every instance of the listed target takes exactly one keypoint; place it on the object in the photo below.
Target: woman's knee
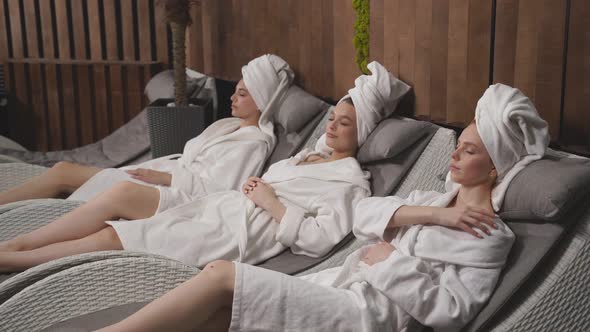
(122, 190)
(61, 172)
(107, 238)
(223, 272)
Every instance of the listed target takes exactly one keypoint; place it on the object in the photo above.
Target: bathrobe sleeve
(444, 301)
(372, 214)
(314, 233)
(230, 165)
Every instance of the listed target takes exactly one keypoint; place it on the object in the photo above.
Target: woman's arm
(264, 196)
(447, 301)
(466, 218)
(233, 163)
(314, 232)
(375, 217)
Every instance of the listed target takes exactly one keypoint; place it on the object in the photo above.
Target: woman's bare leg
(105, 239)
(125, 200)
(201, 303)
(63, 178)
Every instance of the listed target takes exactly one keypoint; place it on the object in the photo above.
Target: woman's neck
(478, 196)
(337, 155)
(245, 122)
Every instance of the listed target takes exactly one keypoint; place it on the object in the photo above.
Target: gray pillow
(161, 85)
(547, 188)
(298, 108)
(390, 137)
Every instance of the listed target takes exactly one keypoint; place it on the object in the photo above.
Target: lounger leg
(63, 178)
(201, 303)
(125, 200)
(105, 239)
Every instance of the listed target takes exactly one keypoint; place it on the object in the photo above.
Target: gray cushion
(546, 189)
(298, 108)
(161, 85)
(390, 137)
(534, 241)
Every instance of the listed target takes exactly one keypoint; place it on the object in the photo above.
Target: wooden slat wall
(77, 68)
(441, 48)
(529, 53)
(448, 50)
(576, 111)
(315, 37)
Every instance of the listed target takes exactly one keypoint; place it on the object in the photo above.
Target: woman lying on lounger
(434, 260)
(247, 140)
(304, 202)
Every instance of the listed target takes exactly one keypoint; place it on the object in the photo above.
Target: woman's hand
(264, 196)
(378, 252)
(151, 176)
(466, 218)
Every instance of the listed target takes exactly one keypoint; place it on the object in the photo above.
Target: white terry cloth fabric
(209, 161)
(513, 133)
(437, 276)
(375, 98)
(209, 164)
(227, 225)
(268, 77)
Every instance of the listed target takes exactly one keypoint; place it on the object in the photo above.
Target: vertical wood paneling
(345, 68)
(68, 107)
(53, 107)
(423, 48)
(46, 29)
(101, 115)
(441, 48)
(439, 61)
(478, 51)
(94, 29)
(15, 29)
(211, 18)
(3, 36)
(576, 113)
(145, 41)
(376, 31)
(127, 30)
(63, 33)
(391, 28)
(133, 89)
(532, 58)
(407, 37)
(161, 33)
(117, 96)
(38, 107)
(457, 60)
(505, 41)
(325, 81)
(194, 40)
(78, 29)
(85, 104)
(111, 30)
(31, 28)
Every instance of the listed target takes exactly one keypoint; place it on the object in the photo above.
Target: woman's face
(470, 162)
(341, 128)
(242, 103)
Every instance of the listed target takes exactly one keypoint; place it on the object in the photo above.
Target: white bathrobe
(437, 276)
(219, 159)
(319, 200)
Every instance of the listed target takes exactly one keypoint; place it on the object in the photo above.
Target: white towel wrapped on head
(375, 98)
(513, 133)
(268, 77)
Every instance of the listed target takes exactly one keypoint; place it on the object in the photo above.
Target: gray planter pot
(171, 127)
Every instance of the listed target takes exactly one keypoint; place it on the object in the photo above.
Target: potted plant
(173, 122)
